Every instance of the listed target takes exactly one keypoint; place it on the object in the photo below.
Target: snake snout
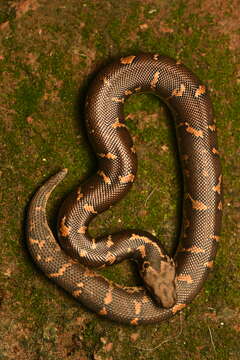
(161, 282)
(165, 294)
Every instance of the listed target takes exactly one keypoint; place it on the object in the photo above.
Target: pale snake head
(160, 281)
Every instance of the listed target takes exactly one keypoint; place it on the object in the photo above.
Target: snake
(168, 283)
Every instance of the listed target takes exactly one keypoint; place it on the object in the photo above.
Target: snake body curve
(173, 283)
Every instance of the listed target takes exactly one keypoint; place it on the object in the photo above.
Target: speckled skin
(169, 284)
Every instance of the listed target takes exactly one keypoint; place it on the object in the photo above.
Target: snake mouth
(164, 294)
(161, 282)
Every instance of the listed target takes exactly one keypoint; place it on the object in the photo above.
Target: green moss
(27, 98)
(53, 137)
(7, 13)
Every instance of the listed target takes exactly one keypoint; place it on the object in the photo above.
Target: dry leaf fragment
(108, 347)
(134, 336)
(29, 120)
(4, 25)
(143, 26)
(164, 148)
(23, 7)
(165, 29)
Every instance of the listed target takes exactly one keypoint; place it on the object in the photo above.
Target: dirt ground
(49, 52)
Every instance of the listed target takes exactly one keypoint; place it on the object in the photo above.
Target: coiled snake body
(169, 284)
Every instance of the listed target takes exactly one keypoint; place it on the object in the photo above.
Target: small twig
(166, 340)
(4, 108)
(211, 337)
(148, 197)
(9, 328)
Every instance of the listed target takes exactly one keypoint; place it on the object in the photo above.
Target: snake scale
(168, 284)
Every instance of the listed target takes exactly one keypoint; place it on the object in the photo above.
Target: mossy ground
(49, 52)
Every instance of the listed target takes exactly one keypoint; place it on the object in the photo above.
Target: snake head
(160, 281)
